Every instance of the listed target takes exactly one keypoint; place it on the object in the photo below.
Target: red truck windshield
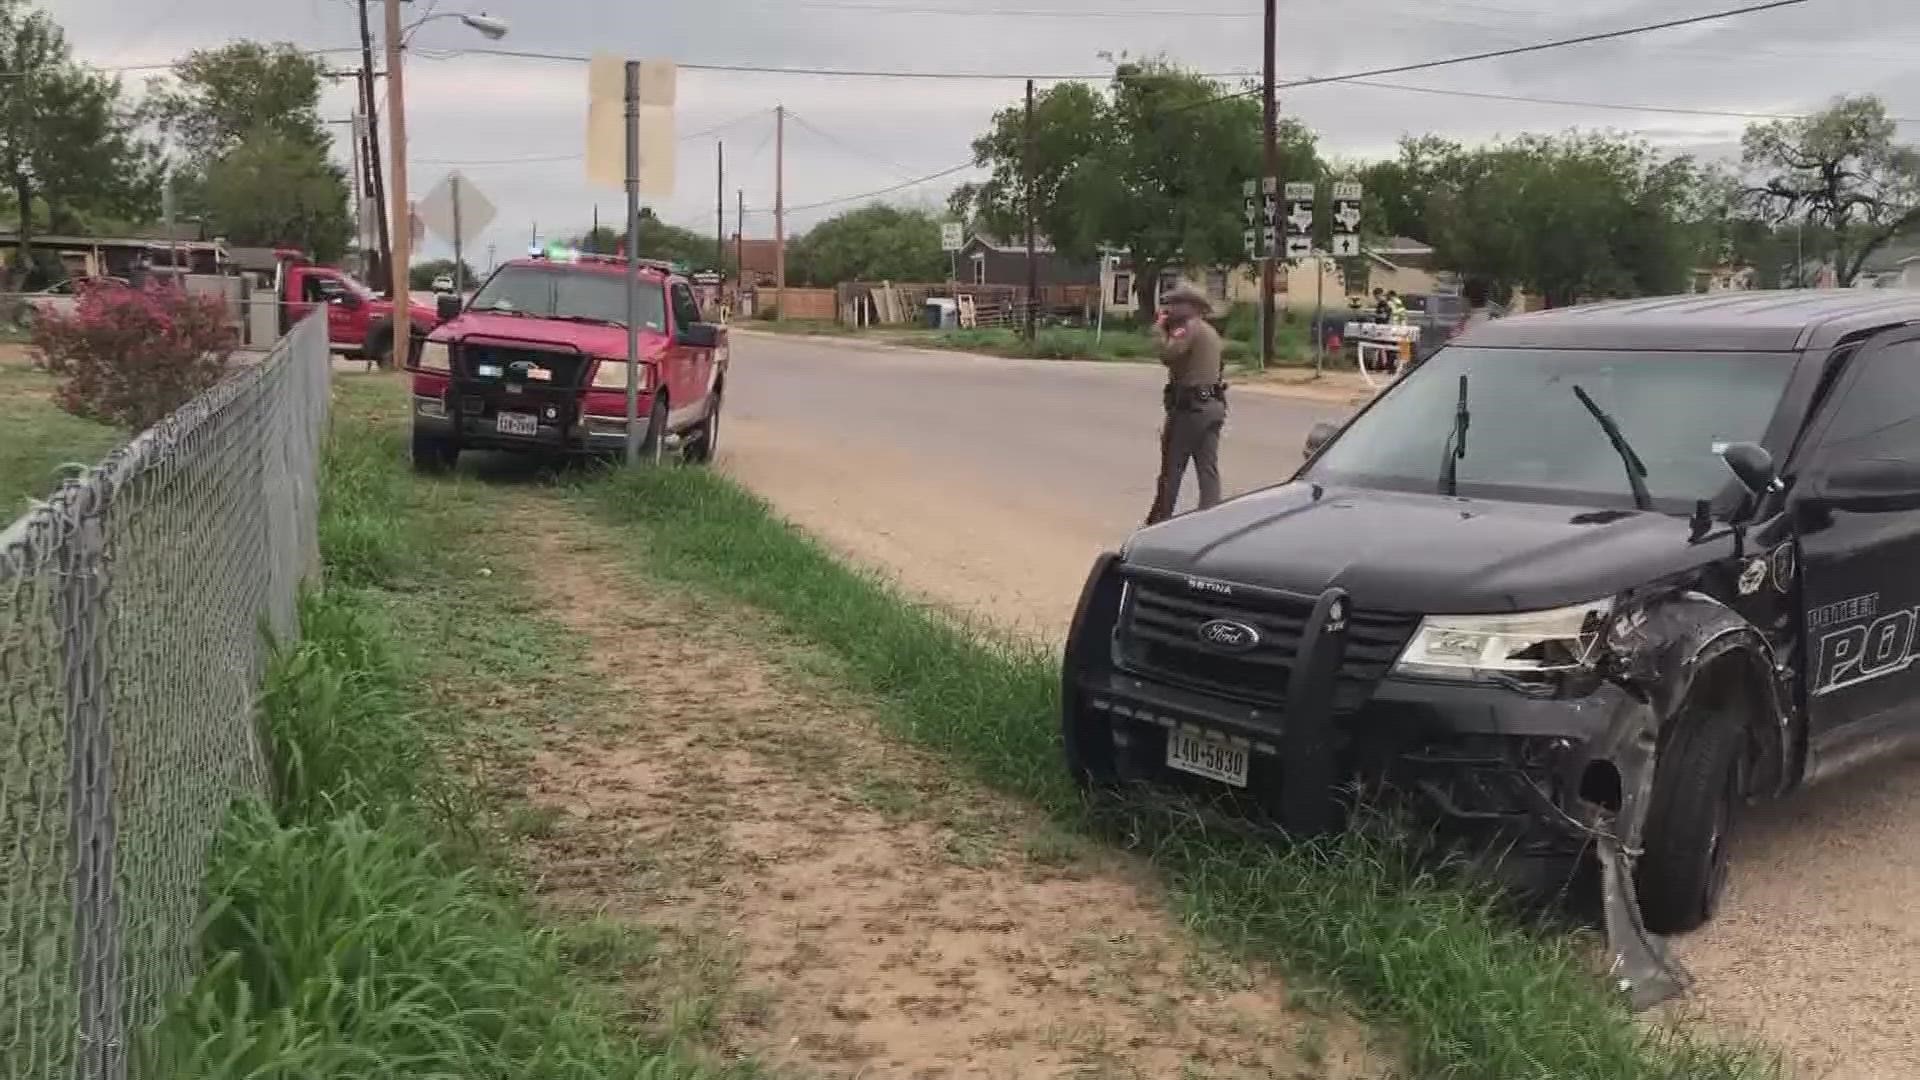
(570, 292)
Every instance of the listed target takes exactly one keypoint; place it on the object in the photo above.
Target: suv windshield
(1532, 439)
(568, 292)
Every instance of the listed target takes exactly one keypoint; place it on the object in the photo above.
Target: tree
(1154, 165)
(246, 118)
(1568, 217)
(272, 191)
(873, 243)
(1400, 192)
(67, 146)
(421, 274)
(1840, 172)
(658, 240)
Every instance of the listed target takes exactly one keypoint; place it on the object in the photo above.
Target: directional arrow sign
(1346, 245)
(1250, 237)
(1299, 247)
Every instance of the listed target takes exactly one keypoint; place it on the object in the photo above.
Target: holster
(1179, 397)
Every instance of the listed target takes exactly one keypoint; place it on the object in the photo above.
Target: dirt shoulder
(834, 903)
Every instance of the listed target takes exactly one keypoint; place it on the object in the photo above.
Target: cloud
(864, 134)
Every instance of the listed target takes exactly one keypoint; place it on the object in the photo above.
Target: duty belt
(1183, 396)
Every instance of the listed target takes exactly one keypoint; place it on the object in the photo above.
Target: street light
(491, 28)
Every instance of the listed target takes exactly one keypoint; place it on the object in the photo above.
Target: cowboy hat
(1187, 294)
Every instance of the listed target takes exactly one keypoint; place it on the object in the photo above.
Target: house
(759, 260)
(989, 260)
(1397, 263)
(118, 256)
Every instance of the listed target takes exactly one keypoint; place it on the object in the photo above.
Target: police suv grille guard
(1304, 671)
(1160, 637)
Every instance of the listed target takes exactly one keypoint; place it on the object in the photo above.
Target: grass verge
(1470, 992)
(357, 926)
(39, 442)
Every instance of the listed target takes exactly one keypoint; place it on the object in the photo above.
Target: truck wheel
(653, 447)
(434, 455)
(704, 439)
(378, 348)
(1699, 785)
(1086, 741)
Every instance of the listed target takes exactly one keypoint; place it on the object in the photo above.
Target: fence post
(96, 912)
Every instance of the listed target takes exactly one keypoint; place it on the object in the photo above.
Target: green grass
(40, 443)
(1467, 991)
(358, 926)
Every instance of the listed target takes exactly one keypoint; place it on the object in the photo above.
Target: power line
(847, 147)
(1528, 99)
(1394, 70)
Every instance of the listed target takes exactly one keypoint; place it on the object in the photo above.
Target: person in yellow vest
(1396, 309)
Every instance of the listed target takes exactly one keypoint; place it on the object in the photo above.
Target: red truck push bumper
(593, 423)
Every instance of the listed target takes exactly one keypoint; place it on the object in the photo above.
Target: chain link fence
(132, 609)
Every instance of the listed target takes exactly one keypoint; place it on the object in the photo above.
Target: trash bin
(941, 314)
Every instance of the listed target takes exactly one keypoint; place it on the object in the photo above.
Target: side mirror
(1753, 465)
(447, 306)
(700, 335)
(1322, 433)
(1867, 486)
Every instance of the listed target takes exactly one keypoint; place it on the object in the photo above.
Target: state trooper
(1195, 400)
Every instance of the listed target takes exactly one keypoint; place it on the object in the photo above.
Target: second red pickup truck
(537, 362)
(359, 322)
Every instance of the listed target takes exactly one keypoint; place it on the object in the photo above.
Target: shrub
(131, 356)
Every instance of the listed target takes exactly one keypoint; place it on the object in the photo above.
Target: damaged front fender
(1659, 650)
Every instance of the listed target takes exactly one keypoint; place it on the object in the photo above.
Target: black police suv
(1595, 577)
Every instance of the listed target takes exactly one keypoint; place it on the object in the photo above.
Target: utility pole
(376, 185)
(740, 250)
(720, 208)
(632, 245)
(1270, 174)
(459, 261)
(780, 212)
(593, 237)
(402, 216)
(1026, 169)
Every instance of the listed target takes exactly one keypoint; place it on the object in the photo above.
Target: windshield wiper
(1456, 444)
(594, 319)
(1636, 469)
(496, 309)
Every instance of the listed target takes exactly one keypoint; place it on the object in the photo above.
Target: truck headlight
(433, 357)
(612, 375)
(1528, 643)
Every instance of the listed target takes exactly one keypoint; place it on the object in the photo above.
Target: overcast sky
(514, 127)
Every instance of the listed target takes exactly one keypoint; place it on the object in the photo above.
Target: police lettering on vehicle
(1868, 648)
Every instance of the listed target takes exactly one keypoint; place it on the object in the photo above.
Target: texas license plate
(1205, 754)
(517, 423)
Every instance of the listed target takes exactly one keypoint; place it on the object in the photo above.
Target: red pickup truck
(537, 362)
(359, 322)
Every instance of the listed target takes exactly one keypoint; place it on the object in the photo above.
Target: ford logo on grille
(1229, 635)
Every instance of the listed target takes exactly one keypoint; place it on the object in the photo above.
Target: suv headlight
(1529, 643)
(612, 375)
(433, 357)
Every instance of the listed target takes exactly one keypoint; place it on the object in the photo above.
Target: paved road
(991, 485)
(1083, 431)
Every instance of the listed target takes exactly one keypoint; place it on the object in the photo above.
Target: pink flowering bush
(131, 356)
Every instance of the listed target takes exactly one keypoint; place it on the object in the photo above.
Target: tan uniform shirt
(1191, 353)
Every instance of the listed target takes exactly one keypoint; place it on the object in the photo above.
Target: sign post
(638, 156)
(456, 210)
(952, 239)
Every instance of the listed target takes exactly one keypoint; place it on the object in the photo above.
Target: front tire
(434, 455)
(653, 447)
(1699, 785)
(378, 348)
(705, 439)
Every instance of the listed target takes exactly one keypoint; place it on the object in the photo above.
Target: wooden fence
(886, 303)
